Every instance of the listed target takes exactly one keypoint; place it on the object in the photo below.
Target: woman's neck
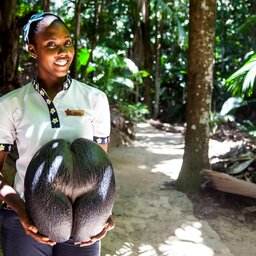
(51, 86)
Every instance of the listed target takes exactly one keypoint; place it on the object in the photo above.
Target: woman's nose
(62, 49)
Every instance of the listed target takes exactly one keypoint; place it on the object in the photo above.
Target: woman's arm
(13, 200)
(7, 193)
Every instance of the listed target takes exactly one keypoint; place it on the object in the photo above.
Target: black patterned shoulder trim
(101, 140)
(5, 147)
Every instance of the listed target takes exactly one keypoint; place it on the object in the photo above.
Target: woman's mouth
(61, 62)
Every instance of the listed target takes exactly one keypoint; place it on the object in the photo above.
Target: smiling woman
(58, 108)
(49, 42)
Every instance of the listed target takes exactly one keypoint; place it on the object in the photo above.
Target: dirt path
(149, 220)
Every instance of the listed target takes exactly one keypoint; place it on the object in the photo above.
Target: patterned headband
(36, 17)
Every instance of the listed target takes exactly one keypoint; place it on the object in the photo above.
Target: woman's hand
(13, 200)
(31, 229)
(109, 225)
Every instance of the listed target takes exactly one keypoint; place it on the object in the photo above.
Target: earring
(33, 56)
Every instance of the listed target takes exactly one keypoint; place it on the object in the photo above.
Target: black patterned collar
(66, 84)
(54, 117)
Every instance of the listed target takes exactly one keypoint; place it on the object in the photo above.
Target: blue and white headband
(36, 17)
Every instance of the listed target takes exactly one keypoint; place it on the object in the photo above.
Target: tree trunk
(46, 5)
(200, 82)
(147, 52)
(9, 34)
(138, 47)
(158, 50)
(77, 34)
(97, 11)
(141, 51)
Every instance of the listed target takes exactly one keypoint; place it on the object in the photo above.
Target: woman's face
(54, 50)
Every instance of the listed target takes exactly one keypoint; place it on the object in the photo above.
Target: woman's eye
(68, 43)
(51, 44)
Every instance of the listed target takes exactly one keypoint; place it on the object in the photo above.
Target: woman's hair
(36, 24)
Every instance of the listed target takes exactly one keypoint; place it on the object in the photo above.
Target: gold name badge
(70, 112)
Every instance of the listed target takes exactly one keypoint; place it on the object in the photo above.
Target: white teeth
(61, 62)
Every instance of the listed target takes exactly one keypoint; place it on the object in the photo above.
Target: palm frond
(242, 82)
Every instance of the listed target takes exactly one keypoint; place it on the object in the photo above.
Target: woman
(52, 106)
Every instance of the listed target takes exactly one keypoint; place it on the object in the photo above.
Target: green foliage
(228, 113)
(170, 17)
(216, 120)
(116, 75)
(26, 6)
(135, 112)
(112, 67)
(231, 104)
(248, 24)
(232, 43)
(83, 58)
(249, 128)
(112, 72)
(242, 82)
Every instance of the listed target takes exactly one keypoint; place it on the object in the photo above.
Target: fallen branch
(226, 183)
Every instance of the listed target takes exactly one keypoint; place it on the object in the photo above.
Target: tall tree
(78, 6)
(46, 5)
(147, 65)
(138, 47)
(96, 18)
(9, 34)
(158, 50)
(142, 54)
(199, 91)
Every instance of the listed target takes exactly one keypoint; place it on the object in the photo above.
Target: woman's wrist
(10, 196)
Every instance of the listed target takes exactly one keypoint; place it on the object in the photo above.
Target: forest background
(140, 53)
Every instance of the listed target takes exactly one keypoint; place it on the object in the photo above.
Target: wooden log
(227, 183)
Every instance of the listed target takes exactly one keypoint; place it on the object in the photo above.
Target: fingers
(31, 230)
(90, 242)
(39, 238)
(109, 225)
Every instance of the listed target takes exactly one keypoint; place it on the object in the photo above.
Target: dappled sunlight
(186, 240)
(170, 168)
(130, 249)
(147, 250)
(166, 151)
(217, 148)
(153, 135)
(125, 250)
(142, 167)
(174, 247)
(158, 138)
